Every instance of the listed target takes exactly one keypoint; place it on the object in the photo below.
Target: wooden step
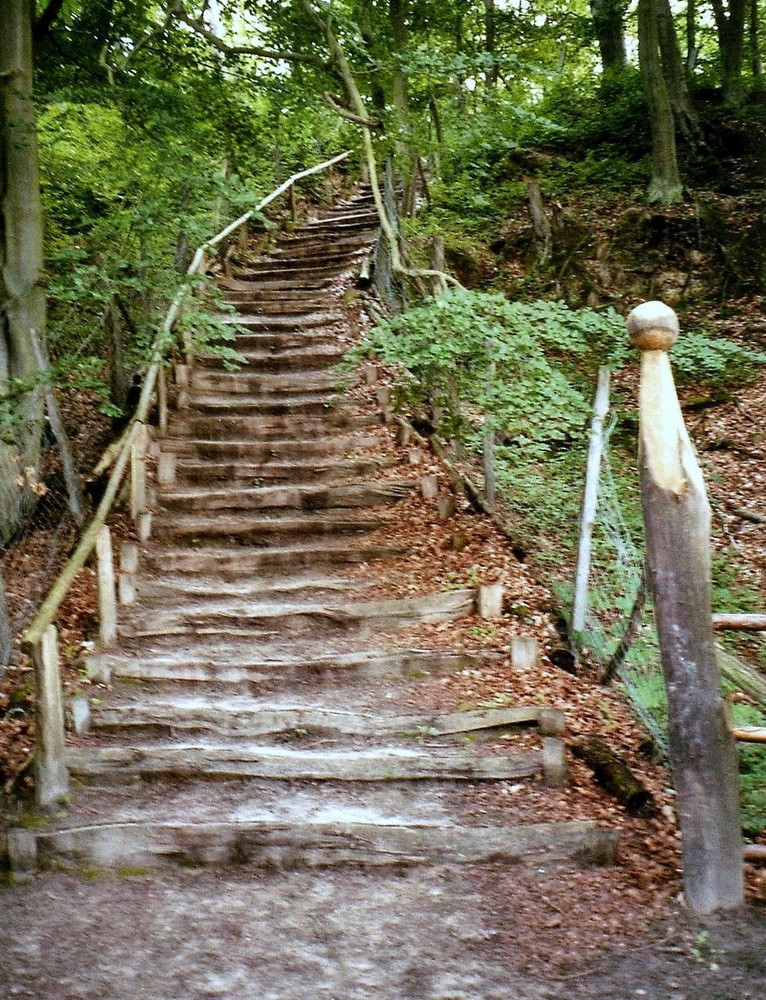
(232, 561)
(296, 471)
(241, 759)
(220, 427)
(297, 497)
(278, 844)
(295, 618)
(218, 666)
(274, 450)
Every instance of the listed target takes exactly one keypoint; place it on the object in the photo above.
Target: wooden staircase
(247, 717)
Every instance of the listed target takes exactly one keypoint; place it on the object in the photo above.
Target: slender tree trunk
(756, 63)
(730, 24)
(22, 297)
(691, 35)
(673, 70)
(407, 154)
(608, 24)
(490, 41)
(665, 185)
(364, 21)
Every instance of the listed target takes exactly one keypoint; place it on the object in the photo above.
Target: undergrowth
(471, 362)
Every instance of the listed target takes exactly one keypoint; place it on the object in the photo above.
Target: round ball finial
(653, 326)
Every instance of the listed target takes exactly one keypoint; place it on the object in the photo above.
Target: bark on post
(51, 777)
(107, 602)
(677, 522)
(589, 506)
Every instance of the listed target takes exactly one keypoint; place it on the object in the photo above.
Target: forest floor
(482, 931)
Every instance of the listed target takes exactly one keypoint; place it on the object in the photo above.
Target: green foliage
(698, 357)
(481, 362)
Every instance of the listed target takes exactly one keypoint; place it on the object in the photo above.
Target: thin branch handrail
(60, 588)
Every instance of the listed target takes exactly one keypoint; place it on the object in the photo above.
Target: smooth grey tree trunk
(22, 296)
(665, 186)
(608, 24)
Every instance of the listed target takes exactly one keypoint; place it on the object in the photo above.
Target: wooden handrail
(47, 611)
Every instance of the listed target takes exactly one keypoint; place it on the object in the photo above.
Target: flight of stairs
(248, 713)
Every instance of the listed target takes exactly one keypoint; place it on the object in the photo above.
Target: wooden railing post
(677, 522)
(107, 601)
(589, 507)
(51, 776)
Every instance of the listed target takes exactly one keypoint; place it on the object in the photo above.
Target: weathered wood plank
(379, 764)
(281, 844)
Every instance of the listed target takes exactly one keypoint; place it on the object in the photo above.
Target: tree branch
(349, 115)
(44, 22)
(252, 50)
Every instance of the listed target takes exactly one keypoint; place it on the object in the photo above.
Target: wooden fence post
(51, 776)
(107, 602)
(162, 401)
(677, 520)
(589, 506)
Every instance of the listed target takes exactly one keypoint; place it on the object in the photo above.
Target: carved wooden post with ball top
(677, 522)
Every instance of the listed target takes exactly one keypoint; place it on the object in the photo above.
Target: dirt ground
(478, 933)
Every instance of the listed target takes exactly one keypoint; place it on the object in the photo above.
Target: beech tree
(665, 185)
(22, 294)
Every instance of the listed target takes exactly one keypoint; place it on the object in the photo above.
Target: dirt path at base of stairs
(421, 934)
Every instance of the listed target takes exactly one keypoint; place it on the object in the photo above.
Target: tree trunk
(490, 41)
(608, 24)
(730, 24)
(665, 185)
(675, 78)
(756, 64)
(366, 30)
(22, 297)
(677, 522)
(407, 155)
(691, 35)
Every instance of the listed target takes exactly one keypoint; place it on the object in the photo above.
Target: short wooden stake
(138, 473)
(128, 569)
(166, 469)
(525, 652)
(162, 401)
(370, 372)
(429, 487)
(415, 456)
(551, 722)
(51, 775)
(383, 396)
(446, 507)
(144, 526)
(183, 383)
(80, 713)
(555, 772)
(107, 603)
(677, 522)
(129, 557)
(489, 600)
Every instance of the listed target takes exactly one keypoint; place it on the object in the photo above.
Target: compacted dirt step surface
(293, 784)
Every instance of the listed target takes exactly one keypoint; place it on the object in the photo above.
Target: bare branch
(349, 115)
(44, 22)
(198, 26)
